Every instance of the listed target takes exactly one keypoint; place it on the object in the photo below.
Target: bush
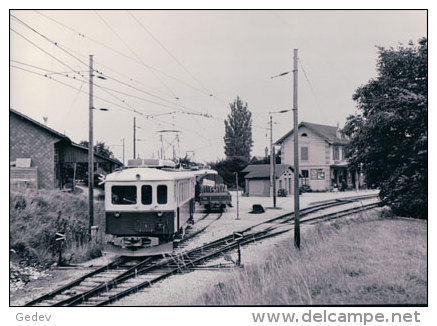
(304, 188)
(35, 218)
(282, 192)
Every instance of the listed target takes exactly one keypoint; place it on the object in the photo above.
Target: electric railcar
(146, 207)
(211, 192)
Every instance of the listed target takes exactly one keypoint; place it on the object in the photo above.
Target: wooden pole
(238, 208)
(135, 138)
(74, 175)
(91, 150)
(271, 156)
(296, 156)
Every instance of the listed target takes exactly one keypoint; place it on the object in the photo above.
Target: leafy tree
(99, 148)
(238, 131)
(389, 133)
(226, 169)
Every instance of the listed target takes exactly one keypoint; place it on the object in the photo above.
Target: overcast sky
(194, 63)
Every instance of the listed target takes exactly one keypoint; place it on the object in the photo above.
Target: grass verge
(370, 259)
(36, 215)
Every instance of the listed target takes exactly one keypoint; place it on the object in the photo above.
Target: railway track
(125, 276)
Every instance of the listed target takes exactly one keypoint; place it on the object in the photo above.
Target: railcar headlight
(160, 213)
(117, 214)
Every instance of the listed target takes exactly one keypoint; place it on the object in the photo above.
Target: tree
(389, 134)
(99, 148)
(238, 131)
(226, 169)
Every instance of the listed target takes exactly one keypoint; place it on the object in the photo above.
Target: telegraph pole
(238, 208)
(91, 151)
(272, 164)
(135, 138)
(296, 156)
(123, 150)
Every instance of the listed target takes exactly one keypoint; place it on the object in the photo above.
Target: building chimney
(338, 131)
(45, 120)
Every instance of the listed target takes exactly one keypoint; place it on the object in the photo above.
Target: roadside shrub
(282, 192)
(37, 215)
(305, 188)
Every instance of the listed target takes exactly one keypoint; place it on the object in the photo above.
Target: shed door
(257, 188)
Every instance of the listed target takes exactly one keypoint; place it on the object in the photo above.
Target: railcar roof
(204, 171)
(147, 174)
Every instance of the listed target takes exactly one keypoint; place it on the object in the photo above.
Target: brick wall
(27, 140)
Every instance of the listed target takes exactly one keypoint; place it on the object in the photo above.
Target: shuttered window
(304, 153)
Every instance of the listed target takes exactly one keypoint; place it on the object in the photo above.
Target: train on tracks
(147, 206)
(211, 192)
(150, 204)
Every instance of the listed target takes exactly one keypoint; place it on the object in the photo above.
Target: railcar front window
(162, 194)
(124, 195)
(146, 195)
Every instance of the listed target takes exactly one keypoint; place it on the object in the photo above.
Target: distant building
(322, 161)
(41, 157)
(257, 179)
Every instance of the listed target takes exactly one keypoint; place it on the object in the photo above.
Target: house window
(305, 176)
(304, 153)
(336, 153)
(304, 135)
(317, 174)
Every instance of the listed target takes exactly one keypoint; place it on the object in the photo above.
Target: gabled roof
(328, 133)
(61, 136)
(40, 125)
(113, 160)
(261, 171)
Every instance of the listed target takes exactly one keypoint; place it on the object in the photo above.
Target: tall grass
(36, 215)
(368, 260)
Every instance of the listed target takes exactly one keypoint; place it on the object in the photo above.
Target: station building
(257, 179)
(41, 157)
(322, 161)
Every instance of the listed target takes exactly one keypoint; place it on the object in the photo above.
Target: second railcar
(211, 192)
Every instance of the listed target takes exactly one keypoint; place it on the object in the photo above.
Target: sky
(179, 70)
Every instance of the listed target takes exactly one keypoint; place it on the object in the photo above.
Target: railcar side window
(146, 195)
(162, 194)
(124, 195)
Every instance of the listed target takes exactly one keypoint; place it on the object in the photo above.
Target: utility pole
(135, 138)
(296, 157)
(238, 208)
(162, 147)
(123, 150)
(91, 150)
(272, 164)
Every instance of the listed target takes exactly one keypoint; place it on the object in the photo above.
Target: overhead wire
(138, 60)
(41, 49)
(167, 50)
(79, 72)
(103, 45)
(123, 54)
(133, 110)
(126, 84)
(133, 52)
(48, 39)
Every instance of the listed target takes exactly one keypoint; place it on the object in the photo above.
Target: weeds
(364, 260)
(36, 216)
